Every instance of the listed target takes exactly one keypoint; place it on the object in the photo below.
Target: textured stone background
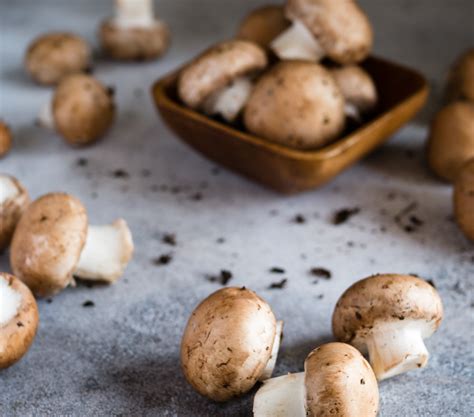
(121, 356)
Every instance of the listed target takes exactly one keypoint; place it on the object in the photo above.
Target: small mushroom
(5, 139)
(53, 242)
(53, 56)
(389, 315)
(18, 320)
(464, 199)
(231, 341)
(337, 381)
(134, 33)
(220, 80)
(297, 104)
(338, 30)
(461, 78)
(13, 202)
(451, 140)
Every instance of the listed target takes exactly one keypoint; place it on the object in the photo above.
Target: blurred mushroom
(5, 139)
(464, 199)
(461, 78)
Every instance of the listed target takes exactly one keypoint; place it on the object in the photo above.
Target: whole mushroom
(231, 341)
(53, 243)
(461, 78)
(389, 315)
(337, 381)
(464, 199)
(5, 139)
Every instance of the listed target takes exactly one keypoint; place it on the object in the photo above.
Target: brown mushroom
(461, 78)
(5, 139)
(464, 199)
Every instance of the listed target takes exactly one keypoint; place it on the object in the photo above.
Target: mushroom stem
(297, 42)
(107, 251)
(45, 115)
(134, 13)
(395, 348)
(352, 112)
(282, 396)
(8, 189)
(10, 300)
(268, 371)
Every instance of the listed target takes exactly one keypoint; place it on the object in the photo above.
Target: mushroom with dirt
(231, 341)
(18, 319)
(337, 381)
(5, 139)
(389, 316)
(220, 80)
(464, 199)
(461, 78)
(53, 243)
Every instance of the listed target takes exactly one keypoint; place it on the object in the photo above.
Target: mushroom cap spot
(217, 67)
(16, 336)
(5, 139)
(47, 243)
(341, 27)
(340, 382)
(227, 343)
(297, 104)
(464, 199)
(461, 78)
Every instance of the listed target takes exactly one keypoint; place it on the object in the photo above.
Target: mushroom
(5, 139)
(461, 78)
(451, 140)
(231, 341)
(263, 25)
(337, 381)
(13, 201)
(53, 242)
(389, 315)
(53, 56)
(18, 320)
(220, 80)
(134, 33)
(339, 30)
(297, 104)
(464, 199)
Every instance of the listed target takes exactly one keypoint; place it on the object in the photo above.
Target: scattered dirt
(278, 285)
(344, 215)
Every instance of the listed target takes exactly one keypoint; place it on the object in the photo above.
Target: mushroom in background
(337, 381)
(53, 242)
(5, 139)
(461, 78)
(134, 33)
(464, 199)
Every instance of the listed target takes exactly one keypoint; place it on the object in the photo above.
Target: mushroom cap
(264, 24)
(134, 43)
(217, 67)
(227, 343)
(53, 56)
(386, 298)
(341, 27)
(14, 199)
(83, 109)
(17, 334)
(47, 243)
(461, 78)
(451, 140)
(340, 382)
(5, 139)
(297, 104)
(464, 199)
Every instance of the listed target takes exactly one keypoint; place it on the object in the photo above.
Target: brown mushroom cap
(217, 67)
(53, 56)
(340, 382)
(5, 139)
(297, 104)
(451, 141)
(464, 199)
(48, 242)
(461, 78)
(83, 109)
(16, 335)
(227, 343)
(342, 28)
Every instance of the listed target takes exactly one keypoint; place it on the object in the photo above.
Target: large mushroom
(389, 315)
(5, 139)
(18, 319)
(337, 381)
(53, 243)
(461, 78)
(464, 199)
(231, 341)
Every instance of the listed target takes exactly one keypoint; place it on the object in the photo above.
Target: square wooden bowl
(402, 93)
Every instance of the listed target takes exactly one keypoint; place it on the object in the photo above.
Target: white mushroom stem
(134, 13)
(352, 112)
(395, 348)
(45, 116)
(230, 100)
(268, 371)
(10, 302)
(297, 42)
(8, 189)
(107, 252)
(284, 396)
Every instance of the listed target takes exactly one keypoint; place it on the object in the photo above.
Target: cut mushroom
(461, 78)
(53, 56)
(389, 316)
(134, 33)
(18, 320)
(464, 199)
(220, 80)
(297, 104)
(337, 381)
(230, 342)
(52, 243)
(339, 30)
(5, 139)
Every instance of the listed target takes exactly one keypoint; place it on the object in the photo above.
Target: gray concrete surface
(121, 356)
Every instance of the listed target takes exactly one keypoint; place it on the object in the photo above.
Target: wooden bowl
(402, 93)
